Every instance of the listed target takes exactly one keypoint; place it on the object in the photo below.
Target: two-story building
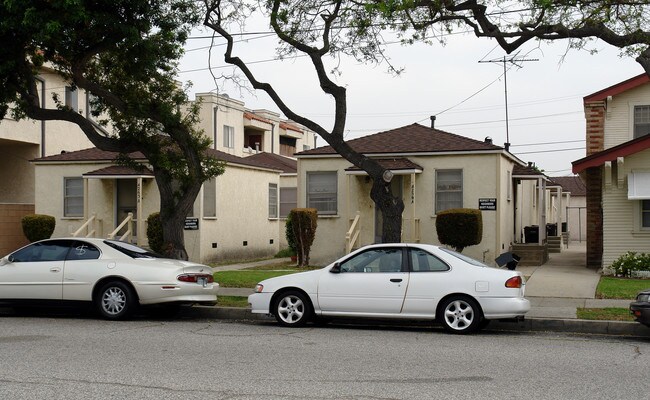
(617, 171)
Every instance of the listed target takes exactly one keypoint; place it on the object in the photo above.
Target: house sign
(191, 224)
(487, 204)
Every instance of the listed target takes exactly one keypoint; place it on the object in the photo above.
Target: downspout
(272, 138)
(215, 111)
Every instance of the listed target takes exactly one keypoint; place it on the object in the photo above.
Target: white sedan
(410, 281)
(115, 276)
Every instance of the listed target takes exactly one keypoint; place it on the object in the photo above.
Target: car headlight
(643, 297)
(259, 288)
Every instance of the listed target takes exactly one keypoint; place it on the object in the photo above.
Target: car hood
(298, 279)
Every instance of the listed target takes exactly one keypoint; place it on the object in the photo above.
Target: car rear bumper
(641, 312)
(177, 293)
(504, 307)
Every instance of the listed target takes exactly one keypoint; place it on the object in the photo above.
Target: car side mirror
(336, 269)
(6, 260)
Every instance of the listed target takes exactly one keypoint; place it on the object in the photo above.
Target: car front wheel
(292, 309)
(460, 315)
(115, 300)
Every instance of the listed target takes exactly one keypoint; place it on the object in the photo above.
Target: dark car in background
(641, 308)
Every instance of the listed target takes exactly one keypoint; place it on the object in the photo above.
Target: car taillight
(514, 282)
(194, 278)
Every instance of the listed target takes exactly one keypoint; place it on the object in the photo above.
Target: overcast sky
(546, 118)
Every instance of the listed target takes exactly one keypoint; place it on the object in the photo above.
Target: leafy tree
(124, 53)
(334, 28)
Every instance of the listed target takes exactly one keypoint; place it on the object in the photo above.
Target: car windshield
(468, 260)
(131, 250)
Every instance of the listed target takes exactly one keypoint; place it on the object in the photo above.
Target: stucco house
(575, 208)
(617, 171)
(432, 171)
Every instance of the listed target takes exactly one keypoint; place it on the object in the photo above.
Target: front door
(396, 188)
(371, 282)
(127, 202)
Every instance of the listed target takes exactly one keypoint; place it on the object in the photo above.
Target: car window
(83, 251)
(463, 257)
(375, 260)
(421, 261)
(131, 250)
(51, 250)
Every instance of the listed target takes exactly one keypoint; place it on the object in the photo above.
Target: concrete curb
(527, 325)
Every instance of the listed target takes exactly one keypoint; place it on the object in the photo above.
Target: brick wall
(594, 183)
(11, 230)
(595, 116)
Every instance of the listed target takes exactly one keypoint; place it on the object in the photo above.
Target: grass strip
(245, 278)
(232, 301)
(610, 287)
(605, 314)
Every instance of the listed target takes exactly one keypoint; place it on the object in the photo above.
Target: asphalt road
(79, 357)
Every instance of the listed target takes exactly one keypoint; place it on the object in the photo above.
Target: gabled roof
(117, 170)
(573, 184)
(285, 164)
(622, 150)
(96, 155)
(618, 88)
(393, 164)
(413, 138)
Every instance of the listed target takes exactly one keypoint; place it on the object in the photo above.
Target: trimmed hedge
(155, 233)
(304, 222)
(291, 238)
(38, 226)
(460, 227)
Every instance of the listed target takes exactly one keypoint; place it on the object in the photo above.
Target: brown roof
(413, 138)
(253, 116)
(528, 170)
(573, 184)
(285, 164)
(286, 125)
(618, 88)
(96, 155)
(393, 164)
(116, 170)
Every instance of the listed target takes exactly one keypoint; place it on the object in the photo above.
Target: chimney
(488, 140)
(507, 146)
(433, 122)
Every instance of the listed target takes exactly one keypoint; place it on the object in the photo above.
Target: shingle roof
(573, 184)
(528, 170)
(285, 164)
(393, 164)
(116, 170)
(413, 138)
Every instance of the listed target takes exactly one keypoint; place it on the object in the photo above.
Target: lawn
(620, 288)
(232, 301)
(249, 277)
(605, 314)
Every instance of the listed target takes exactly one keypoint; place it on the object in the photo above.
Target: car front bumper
(260, 302)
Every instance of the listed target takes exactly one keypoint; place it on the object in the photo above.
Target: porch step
(530, 254)
(554, 244)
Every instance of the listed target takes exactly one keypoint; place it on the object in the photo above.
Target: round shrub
(38, 226)
(459, 227)
(155, 233)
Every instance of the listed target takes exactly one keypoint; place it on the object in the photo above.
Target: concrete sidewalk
(556, 290)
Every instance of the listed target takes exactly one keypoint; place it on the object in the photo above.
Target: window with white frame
(228, 136)
(73, 197)
(273, 200)
(288, 200)
(449, 189)
(210, 198)
(322, 192)
(641, 121)
(71, 98)
(645, 214)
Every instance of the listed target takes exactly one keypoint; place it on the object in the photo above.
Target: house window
(288, 200)
(73, 198)
(273, 200)
(71, 98)
(322, 192)
(228, 136)
(449, 189)
(210, 198)
(645, 214)
(641, 121)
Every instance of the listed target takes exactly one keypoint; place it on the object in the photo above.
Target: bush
(38, 226)
(284, 253)
(291, 238)
(629, 262)
(155, 233)
(459, 227)
(304, 222)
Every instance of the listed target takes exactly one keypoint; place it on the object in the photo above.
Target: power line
(549, 151)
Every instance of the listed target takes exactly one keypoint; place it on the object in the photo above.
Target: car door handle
(396, 280)
(55, 269)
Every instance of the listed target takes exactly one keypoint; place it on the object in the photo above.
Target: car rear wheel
(460, 315)
(292, 308)
(115, 300)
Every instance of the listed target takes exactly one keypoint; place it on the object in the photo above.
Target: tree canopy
(124, 53)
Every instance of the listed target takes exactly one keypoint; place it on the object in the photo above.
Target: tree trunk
(391, 208)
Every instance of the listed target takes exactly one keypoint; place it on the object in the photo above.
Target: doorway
(127, 202)
(396, 187)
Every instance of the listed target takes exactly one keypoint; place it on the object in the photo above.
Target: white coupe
(410, 281)
(115, 276)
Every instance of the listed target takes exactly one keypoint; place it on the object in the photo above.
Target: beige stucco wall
(621, 217)
(483, 177)
(577, 219)
(619, 117)
(16, 172)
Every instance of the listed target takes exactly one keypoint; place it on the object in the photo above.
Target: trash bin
(564, 227)
(531, 234)
(551, 229)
